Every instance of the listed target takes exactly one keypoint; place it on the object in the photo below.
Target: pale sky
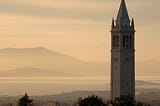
(80, 28)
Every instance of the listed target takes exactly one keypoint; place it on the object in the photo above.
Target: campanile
(122, 54)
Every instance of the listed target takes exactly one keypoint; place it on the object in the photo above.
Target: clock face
(127, 60)
(115, 60)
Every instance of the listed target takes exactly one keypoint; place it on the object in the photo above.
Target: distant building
(122, 54)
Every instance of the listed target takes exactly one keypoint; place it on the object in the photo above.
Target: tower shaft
(122, 55)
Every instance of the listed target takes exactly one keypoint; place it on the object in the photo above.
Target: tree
(125, 101)
(91, 101)
(121, 101)
(25, 101)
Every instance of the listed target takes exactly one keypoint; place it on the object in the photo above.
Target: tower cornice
(122, 29)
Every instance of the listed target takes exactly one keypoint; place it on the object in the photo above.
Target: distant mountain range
(41, 62)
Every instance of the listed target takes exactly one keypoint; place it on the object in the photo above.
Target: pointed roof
(123, 17)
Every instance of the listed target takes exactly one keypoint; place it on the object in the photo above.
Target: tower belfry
(122, 54)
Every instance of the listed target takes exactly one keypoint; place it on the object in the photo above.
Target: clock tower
(122, 54)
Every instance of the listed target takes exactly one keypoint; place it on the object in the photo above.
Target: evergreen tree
(25, 101)
(91, 101)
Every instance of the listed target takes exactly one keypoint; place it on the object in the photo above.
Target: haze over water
(47, 85)
(44, 86)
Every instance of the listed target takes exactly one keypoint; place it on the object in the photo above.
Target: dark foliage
(121, 101)
(25, 101)
(126, 101)
(91, 101)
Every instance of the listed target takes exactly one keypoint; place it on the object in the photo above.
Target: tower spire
(123, 17)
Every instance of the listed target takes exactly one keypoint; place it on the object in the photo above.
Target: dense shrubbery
(121, 101)
(126, 101)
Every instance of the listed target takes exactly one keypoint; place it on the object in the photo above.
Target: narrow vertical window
(127, 41)
(124, 41)
(117, 41)
(113, 41)
(130, 42)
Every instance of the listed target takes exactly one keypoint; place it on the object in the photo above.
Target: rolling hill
(40, 61)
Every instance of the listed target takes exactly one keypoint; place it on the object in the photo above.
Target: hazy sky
(78, 28)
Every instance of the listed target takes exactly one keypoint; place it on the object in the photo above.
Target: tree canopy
(25, 101)
(91, 101)
(121, 101)
(126, 101)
